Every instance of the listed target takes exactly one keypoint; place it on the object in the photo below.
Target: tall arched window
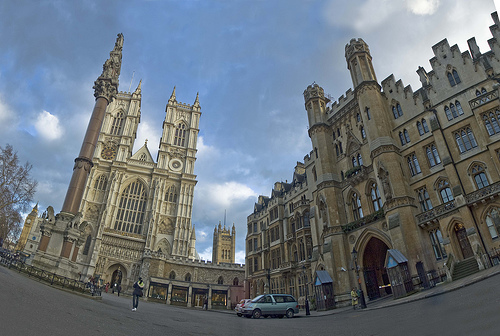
(424, 199)
(236, 281)
(87, 245)
(420, 128)
(357, 211)
(407, 136)
(131, 209)
(402, 139)
(180, 135)
(424, 125)
(302, 250)
(375, 196)
(445, 191)
(491, 122)
(432, 155)
(187, 277)
(413, 164)
(171, 275)
(459, 107)
(448, 113)
(171, 195)
(360, 160)
(437, 244)
(493, 222)
(477, 172)
(363, 133)
(117, 125)
(465, 139)
(453, 77)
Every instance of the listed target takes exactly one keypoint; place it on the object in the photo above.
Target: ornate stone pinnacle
(106, 86)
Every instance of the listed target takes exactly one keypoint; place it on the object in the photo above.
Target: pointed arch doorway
(375, 275)
(463, 241)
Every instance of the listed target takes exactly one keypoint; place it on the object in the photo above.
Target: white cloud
(222, 195)
(423, 7)
(5, 112)
(206, 151)
(48, 126)
(206, 254)
(239, 257)
(149, 132)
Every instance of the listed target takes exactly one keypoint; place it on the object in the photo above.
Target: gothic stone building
(135, 215)
(391, 169)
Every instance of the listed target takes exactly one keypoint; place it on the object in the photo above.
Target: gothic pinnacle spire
(138, 90)
(172, 97)
(197, 100)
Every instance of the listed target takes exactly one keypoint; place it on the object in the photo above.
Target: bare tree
(16, 191)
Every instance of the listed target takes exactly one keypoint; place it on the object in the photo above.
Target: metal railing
(12, 260)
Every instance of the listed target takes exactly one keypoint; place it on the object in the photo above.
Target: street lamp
(308, 312)
(268, 281)
(362, 296)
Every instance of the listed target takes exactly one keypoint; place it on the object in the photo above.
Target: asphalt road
(28, 307)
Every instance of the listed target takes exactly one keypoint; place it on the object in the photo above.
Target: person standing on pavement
(205, 303)
(354, 298)
(138, 287)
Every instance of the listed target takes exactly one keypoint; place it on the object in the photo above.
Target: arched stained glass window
(131, 209)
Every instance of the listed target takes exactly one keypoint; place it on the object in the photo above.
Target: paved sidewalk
(439, 289)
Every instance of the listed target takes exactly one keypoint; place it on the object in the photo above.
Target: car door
(280, 305)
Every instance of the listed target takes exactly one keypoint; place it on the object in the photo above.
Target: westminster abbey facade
(390, 169)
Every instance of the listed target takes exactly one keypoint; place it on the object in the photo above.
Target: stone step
(465, 268)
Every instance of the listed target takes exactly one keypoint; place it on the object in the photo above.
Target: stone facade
(224, 245)
(134, 218)
(391, 168)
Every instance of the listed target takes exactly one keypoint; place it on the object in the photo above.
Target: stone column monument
(61, 234)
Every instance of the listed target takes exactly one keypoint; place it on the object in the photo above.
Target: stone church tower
(28, 224)
(133, 204)
(224, 245)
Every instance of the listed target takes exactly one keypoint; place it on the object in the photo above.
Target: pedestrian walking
(138, 287)
(354, 298)
(205, 303)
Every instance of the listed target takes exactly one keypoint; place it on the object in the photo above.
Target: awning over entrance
(322, 277)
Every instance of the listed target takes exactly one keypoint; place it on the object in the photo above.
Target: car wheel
(256, 314)
(289, 313)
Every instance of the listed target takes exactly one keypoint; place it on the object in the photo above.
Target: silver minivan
(272, 305)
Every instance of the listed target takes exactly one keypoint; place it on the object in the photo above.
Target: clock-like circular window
(175, 164)
(108, 152)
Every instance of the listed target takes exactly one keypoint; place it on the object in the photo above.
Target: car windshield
(257, 298)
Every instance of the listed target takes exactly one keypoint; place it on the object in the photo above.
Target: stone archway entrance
(375, 275)
(463, 241)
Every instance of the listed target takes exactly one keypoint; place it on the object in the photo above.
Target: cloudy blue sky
(249, 60)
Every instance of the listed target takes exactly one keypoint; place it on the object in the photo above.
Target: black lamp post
(308, 312)
(268, 281)
(362, 296)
